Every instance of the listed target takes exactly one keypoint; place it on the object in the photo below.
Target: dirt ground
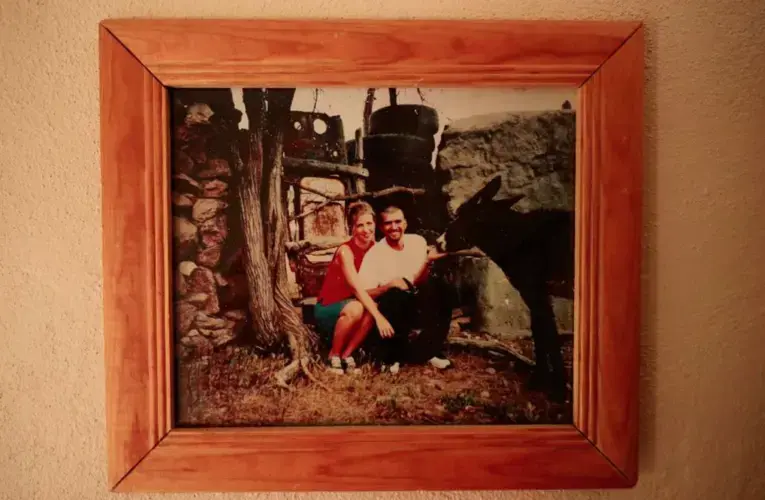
(234, 386)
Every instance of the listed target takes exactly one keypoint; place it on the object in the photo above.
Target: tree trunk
(275, 320)
(259, 278)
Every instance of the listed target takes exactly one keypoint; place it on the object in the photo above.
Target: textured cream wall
(703, 382)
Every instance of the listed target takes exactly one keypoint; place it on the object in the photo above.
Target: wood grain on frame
(135, 263)
(372, 458)
(613, 124)
(582, 194)
(600, 450)
(588, 233)
(622, 101)
(382, 53)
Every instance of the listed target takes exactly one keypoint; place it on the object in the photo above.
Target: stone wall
(210, 288)
(534, 153)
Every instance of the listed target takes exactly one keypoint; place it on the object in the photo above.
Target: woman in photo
(344, 311)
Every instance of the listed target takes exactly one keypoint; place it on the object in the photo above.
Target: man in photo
(424, 302)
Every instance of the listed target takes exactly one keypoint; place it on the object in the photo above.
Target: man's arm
(424, 263)
(422, 276)
(433, 255)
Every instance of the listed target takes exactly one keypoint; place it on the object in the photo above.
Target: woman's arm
(352, 277)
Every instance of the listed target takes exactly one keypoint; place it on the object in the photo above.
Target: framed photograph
(371, 255)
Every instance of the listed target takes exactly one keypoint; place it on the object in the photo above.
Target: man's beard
(394, 238)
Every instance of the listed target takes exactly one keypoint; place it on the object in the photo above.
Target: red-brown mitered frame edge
(139, 59)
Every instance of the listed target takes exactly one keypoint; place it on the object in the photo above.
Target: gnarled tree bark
(275, 321)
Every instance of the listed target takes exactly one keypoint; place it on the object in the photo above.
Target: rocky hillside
(534, 152)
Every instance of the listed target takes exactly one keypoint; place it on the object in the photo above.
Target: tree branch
(359, 196)
(466, 253)
(384, 192)
(422, 96)
(393, 96)
(308, 188)
(314, 210)
(492, 345)
(327, 242)
(305, 246)
(322, 168)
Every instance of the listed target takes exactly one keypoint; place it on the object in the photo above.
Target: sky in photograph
(451, 103)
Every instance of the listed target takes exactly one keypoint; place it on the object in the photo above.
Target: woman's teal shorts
(326, 317)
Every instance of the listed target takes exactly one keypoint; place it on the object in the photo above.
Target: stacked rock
(204, 278)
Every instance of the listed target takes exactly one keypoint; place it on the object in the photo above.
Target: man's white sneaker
(439, 363)
(394, 368)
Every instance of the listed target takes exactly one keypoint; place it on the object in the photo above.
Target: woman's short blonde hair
(356, 210)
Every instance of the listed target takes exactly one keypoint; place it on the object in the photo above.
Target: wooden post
(298, 206)
(361, 185)
(338, 123)
(359, 146)
(360, 182)
(368, 104)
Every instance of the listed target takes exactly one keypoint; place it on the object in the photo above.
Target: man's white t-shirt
(382, 263)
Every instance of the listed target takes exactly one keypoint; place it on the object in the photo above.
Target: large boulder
(534, 153)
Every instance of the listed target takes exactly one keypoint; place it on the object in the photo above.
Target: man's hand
(434, 254)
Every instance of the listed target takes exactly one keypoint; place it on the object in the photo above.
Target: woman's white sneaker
(336, 365)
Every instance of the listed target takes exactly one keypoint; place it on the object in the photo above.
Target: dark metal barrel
(398, 152)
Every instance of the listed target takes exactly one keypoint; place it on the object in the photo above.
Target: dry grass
(235, 387)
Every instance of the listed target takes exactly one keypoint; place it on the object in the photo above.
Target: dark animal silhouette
(536, 252)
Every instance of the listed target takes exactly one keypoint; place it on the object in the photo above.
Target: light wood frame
(140, 59)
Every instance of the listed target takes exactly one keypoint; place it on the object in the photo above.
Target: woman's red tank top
(335, 287)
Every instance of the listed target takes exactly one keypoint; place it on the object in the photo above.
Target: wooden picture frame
(140, 59)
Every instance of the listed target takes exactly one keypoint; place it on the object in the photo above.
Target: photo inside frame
(352, 256)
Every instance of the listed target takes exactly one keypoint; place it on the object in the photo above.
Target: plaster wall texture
(702, 431)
